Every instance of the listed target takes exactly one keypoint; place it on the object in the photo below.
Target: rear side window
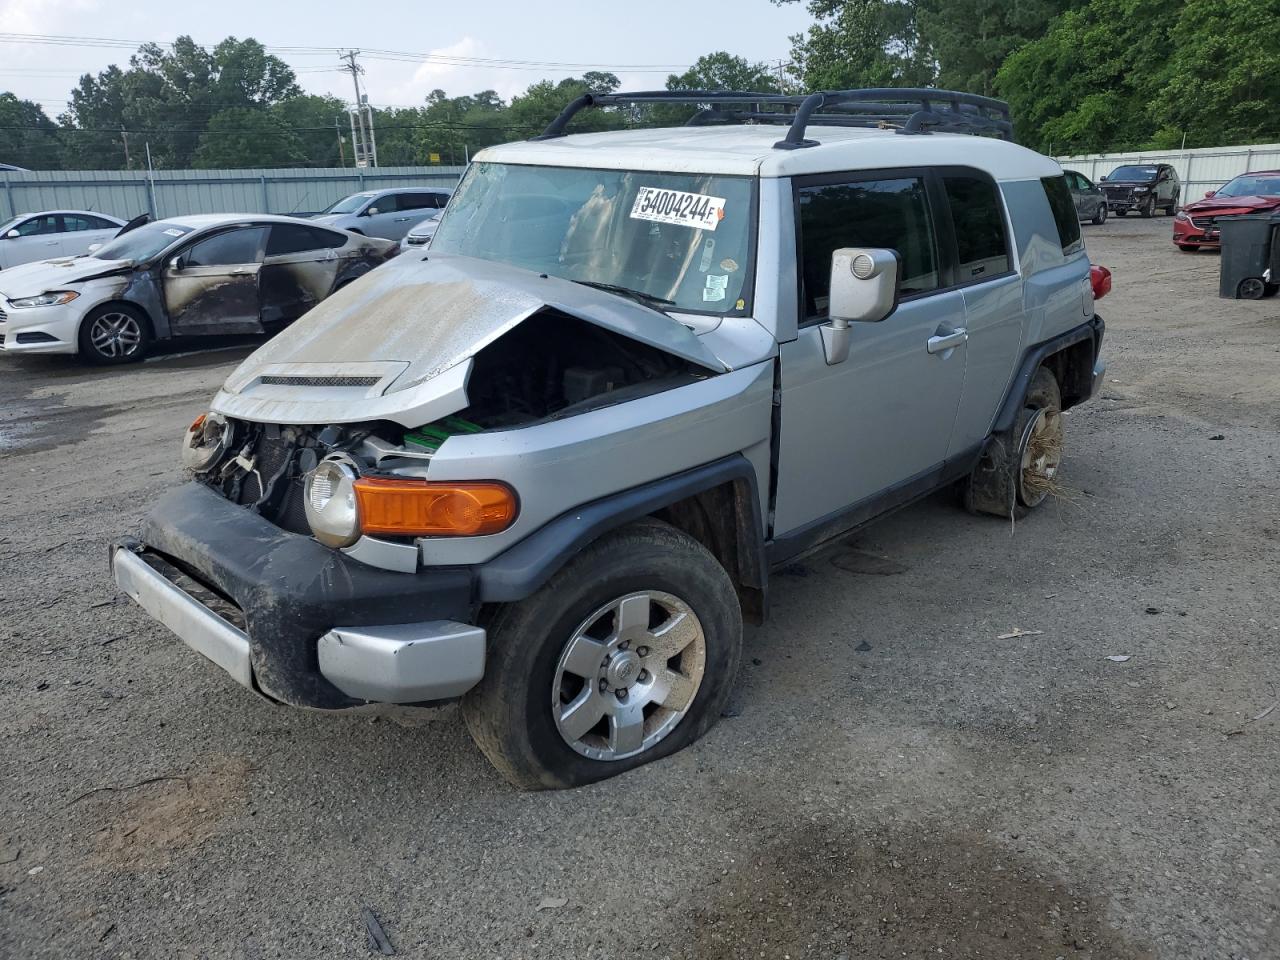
(890, 213)
(418, 201)
(289, 238)
(981, 242)
(1064, 214)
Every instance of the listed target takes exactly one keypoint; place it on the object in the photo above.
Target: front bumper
(38, 329)
(294, 620)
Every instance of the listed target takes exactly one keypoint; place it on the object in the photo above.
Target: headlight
(206, 440)
(51, 299)
(1181, 216)
(330, 498)
(1141, 189)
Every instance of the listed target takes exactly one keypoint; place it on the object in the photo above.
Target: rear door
(38, 238)
(879, 423)
(211, 286)
(80, 231)
(299, 269)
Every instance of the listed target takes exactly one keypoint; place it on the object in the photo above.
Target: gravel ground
(895, 777)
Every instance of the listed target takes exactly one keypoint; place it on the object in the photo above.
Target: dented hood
(422, 316)
(33, 279)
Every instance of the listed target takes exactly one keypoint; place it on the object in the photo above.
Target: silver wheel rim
(115, 335)
(1041, 456)
(628, 675)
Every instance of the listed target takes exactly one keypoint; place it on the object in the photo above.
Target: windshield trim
(753, 225)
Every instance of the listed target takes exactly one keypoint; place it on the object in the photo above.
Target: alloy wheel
(628, 675)
(115, 335)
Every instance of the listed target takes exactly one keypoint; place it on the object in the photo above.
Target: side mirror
(1209, 193)
(12, 235)
(864, 289)
(177, 264)
(1102, 179)
(371, 211)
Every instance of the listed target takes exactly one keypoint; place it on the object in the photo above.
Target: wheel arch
(717, 504)
(1070, 357)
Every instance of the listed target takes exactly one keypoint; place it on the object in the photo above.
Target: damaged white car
(198, 275)
(547, 466)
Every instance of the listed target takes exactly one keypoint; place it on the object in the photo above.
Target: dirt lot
(894, 779)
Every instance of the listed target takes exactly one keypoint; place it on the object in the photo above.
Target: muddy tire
(1019, 468)
(114, 333)
(625, 656)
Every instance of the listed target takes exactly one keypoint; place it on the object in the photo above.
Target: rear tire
(576, 668)
(1019, 469)
(114, 333)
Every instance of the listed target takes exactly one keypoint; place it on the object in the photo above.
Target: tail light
(1100, 280)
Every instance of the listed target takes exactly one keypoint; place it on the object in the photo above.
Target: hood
(1223, 204)
(330, 218)
(418, 318)
(33, 279)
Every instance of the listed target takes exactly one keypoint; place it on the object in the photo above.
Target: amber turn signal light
(404, 507)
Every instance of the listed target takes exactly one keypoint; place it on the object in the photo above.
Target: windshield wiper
(648, 299)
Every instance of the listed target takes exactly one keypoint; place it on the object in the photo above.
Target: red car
(1195, 227)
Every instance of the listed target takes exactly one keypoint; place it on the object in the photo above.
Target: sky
(642, 42)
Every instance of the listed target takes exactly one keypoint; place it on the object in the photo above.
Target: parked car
(1090, 201)
(1196, 225)
(217, 273)
(384, 213)
(1144, 187)
(422, 232)
(54, 233)
(547, 469)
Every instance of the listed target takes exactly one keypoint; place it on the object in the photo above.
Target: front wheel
(626, 655)
(114, 333)
(1019, 470)
(1148, 208)
(1100, 215)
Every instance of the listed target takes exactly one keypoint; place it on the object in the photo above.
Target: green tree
(30, 138)
(1089, 83)
(317, 122)
(861, 43)
(531, 111)
(244, 137)
(1237, 99)
(713, 71)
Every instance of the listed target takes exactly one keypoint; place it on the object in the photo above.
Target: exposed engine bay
(549, 367)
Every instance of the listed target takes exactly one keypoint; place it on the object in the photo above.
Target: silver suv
(389, 214)
(547, 466)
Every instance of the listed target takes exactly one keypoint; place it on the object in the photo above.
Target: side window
(416, 201)
(981, 242)
(38, 226)
(227, 249)
(328, 239)
(74, 223)
(865, 213)
(291, 238)
(1064, 214)
(97, 223)
(381, 205)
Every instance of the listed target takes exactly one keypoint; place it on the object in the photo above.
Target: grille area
(1202, 222)
(321, 381)
(270, 455)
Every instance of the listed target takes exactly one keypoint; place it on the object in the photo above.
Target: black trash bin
(1250, 256)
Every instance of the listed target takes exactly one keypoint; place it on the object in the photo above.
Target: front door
(212, 285)
(883, 418)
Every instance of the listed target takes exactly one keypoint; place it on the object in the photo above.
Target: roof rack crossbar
(910, 110)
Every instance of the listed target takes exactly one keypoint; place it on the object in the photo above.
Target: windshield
(1133, 173)
(1248, 186)
(680, 239)
(142, 243)
(350, 204)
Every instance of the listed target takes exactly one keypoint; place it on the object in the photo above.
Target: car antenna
(299, 203)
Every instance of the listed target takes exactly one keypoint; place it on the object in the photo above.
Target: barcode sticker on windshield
(173, 233)
(695, 210)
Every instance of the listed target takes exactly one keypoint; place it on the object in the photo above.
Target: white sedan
(54, 233)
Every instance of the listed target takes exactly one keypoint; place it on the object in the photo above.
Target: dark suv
(1142, 187)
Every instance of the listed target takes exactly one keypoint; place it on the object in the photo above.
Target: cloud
(454, 78)
(41, 16)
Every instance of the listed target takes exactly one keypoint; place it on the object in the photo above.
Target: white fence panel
(1199, 170)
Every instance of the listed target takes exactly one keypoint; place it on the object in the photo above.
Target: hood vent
(280, 381)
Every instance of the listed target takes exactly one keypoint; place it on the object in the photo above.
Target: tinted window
(981, 243)
(1064, 213)
(226, 249)
(296, 238)
(75, 224)
(97, 223)
(867, 213)
(417, 201)
(1135, 172)
(38, 226)
(328, 239)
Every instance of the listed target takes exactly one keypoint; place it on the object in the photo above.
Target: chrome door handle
(403, 219)
(941, 343)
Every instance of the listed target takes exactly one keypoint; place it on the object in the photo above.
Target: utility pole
(128, 165)
(362, 146)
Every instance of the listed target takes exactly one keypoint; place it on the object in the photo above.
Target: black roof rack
(903, 109)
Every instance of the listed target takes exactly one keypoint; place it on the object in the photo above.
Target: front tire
(1100, 216)
(114, 333)
(1148, 208)
(1019, 470)
(626, 655)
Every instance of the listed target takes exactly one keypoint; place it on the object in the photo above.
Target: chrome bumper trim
(404, 663)
(195, 624)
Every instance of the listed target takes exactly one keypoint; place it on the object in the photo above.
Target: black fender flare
(1092, 330)
(523, 568)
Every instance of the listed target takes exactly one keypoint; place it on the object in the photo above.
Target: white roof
(748, 150)
(199, 221)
